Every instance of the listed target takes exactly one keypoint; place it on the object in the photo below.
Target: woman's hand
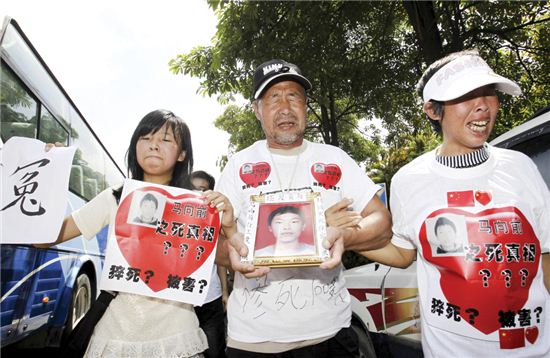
(51, 145)
(222, 204)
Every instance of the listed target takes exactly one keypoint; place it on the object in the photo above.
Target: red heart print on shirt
(328, 175)
(483, 197)
(487, 276)
(254, 174)
(531, 334)
(181, 242)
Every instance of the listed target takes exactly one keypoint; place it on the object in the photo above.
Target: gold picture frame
(286, 229)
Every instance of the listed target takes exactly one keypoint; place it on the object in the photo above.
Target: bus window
(112, 173)
(51, 130)
(18, 108)
(24, 62)
(87, 178)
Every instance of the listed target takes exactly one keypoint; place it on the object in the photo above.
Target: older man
(297, 312)
(488, 299)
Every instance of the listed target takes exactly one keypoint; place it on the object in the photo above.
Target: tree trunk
(422, 17)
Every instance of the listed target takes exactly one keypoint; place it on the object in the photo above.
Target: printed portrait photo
(319, 168)
(146, 208)
(247, 169)
(447, 235)
(285, 229)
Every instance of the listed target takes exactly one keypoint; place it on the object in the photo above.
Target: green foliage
(347, 75)
(364, 59)
(241, 124)
(514, 38)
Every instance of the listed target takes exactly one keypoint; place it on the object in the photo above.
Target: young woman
(160, 152)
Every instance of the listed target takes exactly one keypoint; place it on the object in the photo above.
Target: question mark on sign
(538, 310)
(202, 284)
(473, 314)
(200, 250)
(524, 274)
(486, 274)
(184, 248)
(148, 275)
(167, 245)
(507, 276)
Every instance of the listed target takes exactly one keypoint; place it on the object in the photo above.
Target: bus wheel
(81, 302)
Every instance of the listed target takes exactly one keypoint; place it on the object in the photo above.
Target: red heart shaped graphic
(254, 174)
(483, 197)
(328, 175)
(180, 243)
(531, 334)
(488, 276)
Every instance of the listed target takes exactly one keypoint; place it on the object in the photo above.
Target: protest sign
(34, 187)
(164, 245)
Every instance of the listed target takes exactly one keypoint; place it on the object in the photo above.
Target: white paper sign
(34, 190)
(164, 245)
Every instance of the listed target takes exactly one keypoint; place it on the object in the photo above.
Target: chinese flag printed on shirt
(511, 338)
(460, 198)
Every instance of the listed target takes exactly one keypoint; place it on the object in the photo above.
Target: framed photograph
(286, 230)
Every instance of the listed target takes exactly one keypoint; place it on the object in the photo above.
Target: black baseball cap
(277, 70)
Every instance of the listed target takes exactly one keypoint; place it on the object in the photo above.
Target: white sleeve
(542, 209)
(93, 216)
(401, 233)
(227, 185)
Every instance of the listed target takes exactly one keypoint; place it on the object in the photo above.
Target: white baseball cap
(463, 75)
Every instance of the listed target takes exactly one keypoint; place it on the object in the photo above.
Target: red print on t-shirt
(254, 174)
(491, 272)
(327, 175)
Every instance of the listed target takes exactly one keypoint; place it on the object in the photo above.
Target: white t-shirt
(490, 293)
(291, 304)
(134, 325)
(215, 290)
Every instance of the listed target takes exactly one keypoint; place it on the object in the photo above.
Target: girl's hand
(51, 145)
(222, 204)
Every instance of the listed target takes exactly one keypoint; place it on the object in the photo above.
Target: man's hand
(334, 242)
(236, 249)
(339, 215)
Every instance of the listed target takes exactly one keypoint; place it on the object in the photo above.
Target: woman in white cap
(491, 299)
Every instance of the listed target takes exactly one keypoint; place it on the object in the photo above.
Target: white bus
(46, 292)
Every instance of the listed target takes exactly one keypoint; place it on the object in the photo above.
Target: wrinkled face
(468, 121)
(157, 154)
(148, 210)
(200, 184)
(287, 227)
(446, 236)
(282, 110)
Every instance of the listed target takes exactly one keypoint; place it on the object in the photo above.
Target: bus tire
(81, 301)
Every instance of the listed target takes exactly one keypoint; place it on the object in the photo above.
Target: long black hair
(150, 124)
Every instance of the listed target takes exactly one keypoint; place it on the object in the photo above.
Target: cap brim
(290, 76)
(468, 83)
